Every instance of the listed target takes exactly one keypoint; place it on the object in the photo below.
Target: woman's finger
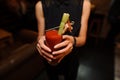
(48, 59)
(64, 50)
(62, 44)
(47, 54)
(44, 53)
(43, 46)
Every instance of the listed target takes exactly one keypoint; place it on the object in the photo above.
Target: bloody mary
(52, 38)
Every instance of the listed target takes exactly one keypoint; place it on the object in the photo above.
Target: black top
(53, 13)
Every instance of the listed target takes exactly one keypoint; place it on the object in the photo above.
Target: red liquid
(52, 38)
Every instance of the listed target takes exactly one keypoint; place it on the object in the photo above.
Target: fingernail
(54, 47)
(53, 53)
(49, 50)
(51, 56)
(50, 60)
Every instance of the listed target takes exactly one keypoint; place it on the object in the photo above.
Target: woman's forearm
(81, 39)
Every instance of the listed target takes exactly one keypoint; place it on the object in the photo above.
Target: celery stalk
(61, 28)
(65, 18)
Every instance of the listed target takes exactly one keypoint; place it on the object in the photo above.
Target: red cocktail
(52, 38)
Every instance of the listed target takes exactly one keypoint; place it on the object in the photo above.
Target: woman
(48, 15)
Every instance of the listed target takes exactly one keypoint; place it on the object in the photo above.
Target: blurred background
(19, 59)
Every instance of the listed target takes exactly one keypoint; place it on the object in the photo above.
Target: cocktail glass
(52, 38)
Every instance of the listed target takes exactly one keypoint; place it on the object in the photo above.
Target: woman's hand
(44, 50)
(63, 48)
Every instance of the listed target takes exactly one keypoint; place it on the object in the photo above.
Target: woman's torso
(53, 14)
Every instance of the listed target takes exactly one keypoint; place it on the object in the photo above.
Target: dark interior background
(19, 59)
